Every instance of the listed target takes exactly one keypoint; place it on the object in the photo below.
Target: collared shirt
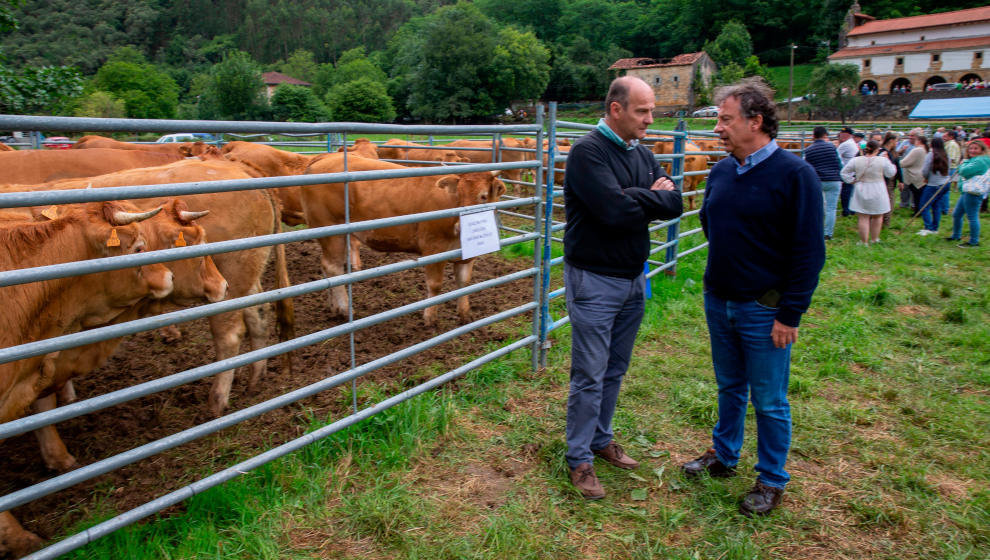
(611, 135)
(848, 150)
(755, 158)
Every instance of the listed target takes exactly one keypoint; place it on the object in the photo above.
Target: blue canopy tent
(953, 108)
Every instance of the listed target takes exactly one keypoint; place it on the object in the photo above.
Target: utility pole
(790, 87)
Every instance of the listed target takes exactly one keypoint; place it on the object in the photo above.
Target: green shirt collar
(611, 135)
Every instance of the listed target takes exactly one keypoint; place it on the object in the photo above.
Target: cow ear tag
(113, 241)
(51, 213)
(181, 241)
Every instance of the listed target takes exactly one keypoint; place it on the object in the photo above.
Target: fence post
(547, 231)
(539, 290)
(676, 168)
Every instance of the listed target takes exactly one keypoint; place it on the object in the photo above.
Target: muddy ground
(148, 356)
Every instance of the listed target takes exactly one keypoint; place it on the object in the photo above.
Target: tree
(147, 92)
(733, 45)
(833, 87)
(47, 89)
(521, 66)
(301, 65)
(355, 65)
(235, 90)
(100, 104)
(297, 104)
(360, 101)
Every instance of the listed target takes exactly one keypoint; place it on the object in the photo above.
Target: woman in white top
(869, 200)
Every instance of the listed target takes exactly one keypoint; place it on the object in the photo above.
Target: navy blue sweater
(764, 229)
(824, 158)
(609, 205)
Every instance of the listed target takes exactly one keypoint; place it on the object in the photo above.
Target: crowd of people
(869, 174)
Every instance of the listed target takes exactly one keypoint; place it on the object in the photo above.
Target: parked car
(186, 137)
(57, 143)
(944, 86)
(710, 111)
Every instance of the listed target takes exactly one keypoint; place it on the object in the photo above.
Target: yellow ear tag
(51, 213)
(181, 241)
(113, 241)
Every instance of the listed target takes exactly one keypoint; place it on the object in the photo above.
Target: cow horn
(122, 218)
(495, 172)
(187, 216)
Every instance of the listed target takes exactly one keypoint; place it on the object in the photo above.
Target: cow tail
(285, 312)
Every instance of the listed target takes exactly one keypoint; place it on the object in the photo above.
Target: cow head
(470, 189)
(193, 149)
(195, 278)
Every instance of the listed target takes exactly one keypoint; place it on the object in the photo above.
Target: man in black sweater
(762, 215)
(613, 188)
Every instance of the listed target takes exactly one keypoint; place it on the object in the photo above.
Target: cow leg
(14, 540)
(53, 451)
(67, 394)
(332, 263)
(257, 329)
(434, 283)
(228, 331)
(355, 253)
(462, 275)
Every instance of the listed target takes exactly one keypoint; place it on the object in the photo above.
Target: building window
(935, 57)
(922, 37)
(866, 63)
(899, 61)
(656, 81)
(677, 81)
(978, 55)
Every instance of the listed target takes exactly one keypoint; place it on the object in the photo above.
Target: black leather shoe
(761, 500)
(708, 463)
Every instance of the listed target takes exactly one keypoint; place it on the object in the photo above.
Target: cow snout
(159, 279)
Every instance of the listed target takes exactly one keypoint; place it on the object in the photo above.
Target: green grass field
(780, 78)
(890, 458)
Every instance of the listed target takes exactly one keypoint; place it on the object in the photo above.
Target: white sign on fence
(479, 234)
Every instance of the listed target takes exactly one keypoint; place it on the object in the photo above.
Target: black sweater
(764, 229)
(824, 158)
(609, 205)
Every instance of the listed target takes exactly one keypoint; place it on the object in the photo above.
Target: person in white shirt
(848, 149)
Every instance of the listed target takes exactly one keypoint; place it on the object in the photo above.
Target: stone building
(275, 79)
(916, 52)
(673, 80)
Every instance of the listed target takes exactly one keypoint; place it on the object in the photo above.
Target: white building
(915, 52)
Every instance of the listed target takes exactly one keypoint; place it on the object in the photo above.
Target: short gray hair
(618, 91)
(755, 97)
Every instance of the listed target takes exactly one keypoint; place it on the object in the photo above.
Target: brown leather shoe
(709, 463)
(583, 477)
(613, 453)
(761, 500)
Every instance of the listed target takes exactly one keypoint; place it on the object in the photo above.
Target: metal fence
(532, 215)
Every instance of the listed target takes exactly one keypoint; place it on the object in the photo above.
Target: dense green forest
(379, 59)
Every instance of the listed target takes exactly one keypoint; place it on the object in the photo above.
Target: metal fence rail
(538, 194)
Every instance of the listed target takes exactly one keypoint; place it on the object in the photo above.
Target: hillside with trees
(431, 60)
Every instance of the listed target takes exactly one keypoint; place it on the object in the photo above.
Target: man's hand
(662, 184)
(783, 335)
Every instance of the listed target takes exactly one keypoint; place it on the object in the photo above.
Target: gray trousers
(605, 313)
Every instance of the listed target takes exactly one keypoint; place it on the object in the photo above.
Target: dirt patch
(146, 356)
(914, 310)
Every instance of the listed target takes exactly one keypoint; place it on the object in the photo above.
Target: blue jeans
(931, 216)
(748, 365)
(830, 195)
(844, 196)
(945, 203)
(968, 205)
(605, 314)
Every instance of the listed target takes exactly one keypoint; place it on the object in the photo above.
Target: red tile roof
(641, 62)
(907, 48)
(971, 15)
(275, 78)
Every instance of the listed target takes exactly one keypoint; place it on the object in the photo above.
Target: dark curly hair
(755, 97)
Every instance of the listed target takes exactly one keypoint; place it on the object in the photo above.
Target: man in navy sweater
(824, 158)
(613, 189)
(762, 215)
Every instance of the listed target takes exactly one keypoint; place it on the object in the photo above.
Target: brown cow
(369, 200)
(233, 215)
(412, 154)
(6, 148)
(265, 161)
(482, 153)
(362, 147)
(691, 163)
(51, 308)
(93, 141)
(31, 167)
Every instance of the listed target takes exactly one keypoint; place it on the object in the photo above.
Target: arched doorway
(868, 87)
(969, 79)
(900, 85)
(934, 80)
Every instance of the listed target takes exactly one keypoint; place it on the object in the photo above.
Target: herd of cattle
(47, 235)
